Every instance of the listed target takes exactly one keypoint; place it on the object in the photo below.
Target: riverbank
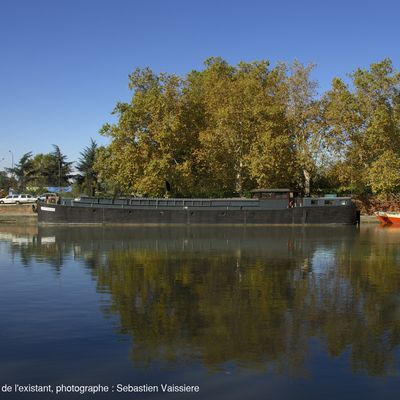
(21, 214)
(367, 219)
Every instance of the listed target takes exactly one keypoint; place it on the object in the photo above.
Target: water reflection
(259, 298)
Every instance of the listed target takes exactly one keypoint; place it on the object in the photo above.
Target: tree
(62, 166)
(6, 182)
(226, 129)
(367, 119)
(244, 106)
(52, 169)
(306, 122)
(87, 177)
(384, 174)
(151, 143)
(200, 133)
(44, 166)
(23, 171)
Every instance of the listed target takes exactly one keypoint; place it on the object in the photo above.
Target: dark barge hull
(73, 214)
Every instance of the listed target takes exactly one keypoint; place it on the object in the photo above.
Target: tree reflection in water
(253, 297)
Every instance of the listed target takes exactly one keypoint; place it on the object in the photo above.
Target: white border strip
(48, 209)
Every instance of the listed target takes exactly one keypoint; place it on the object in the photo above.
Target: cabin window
(314, 202)
(329, 202)
(270, 196)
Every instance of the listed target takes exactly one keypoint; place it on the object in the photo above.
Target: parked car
(48, 196)
(18, 199)
(10, 199)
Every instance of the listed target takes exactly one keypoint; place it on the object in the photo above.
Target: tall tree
(200, 133)
(306, 125)
(23, 171)
(367, 118)
(52, 169)
(60, 168)
(150, 143)
(87, 176)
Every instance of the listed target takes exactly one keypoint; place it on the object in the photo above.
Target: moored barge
(268, 206)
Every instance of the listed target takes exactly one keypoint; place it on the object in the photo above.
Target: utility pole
(12, 162)
(59, 174)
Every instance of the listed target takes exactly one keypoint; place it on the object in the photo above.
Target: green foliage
(226, 129)
(23, 171)
(6, 182)
(220, 131)
(87, 177)
(52, 169)
(384, 174)
(366, 119)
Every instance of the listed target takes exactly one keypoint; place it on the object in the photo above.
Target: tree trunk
(239, 179)
(307, 179)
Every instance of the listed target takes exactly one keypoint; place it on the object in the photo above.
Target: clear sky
(65, 63)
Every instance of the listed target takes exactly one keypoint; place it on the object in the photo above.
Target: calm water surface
(257, 313)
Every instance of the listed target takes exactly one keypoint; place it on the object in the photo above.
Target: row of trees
(227, 129)
(52, 169)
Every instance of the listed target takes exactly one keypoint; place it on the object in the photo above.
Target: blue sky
(64, 64)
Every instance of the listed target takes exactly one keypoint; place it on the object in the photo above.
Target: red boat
(382, 217)
(393, 217)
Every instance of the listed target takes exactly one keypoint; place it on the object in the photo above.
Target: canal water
(255, 313)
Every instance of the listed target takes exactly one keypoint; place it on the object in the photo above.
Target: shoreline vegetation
(227, 129)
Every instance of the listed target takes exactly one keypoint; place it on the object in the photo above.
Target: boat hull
(382, 217)
(74, 214)
(393, 218)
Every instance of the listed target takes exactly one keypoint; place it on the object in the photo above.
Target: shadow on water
(259, 297)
